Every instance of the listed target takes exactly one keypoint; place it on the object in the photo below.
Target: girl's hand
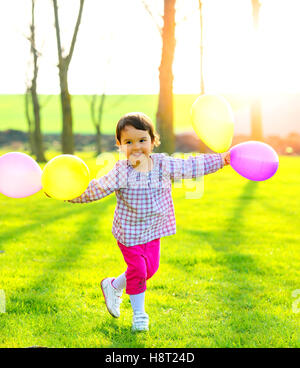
(226, 158)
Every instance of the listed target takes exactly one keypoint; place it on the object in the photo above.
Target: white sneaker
(140, 322)
(112, 297)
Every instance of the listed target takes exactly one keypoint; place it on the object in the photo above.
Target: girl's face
(136, 144)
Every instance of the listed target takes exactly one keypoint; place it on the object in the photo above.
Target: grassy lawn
(225, 279)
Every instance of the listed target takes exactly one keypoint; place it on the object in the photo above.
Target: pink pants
(142, 263)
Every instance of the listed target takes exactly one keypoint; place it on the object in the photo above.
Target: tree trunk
(63, 66)
(98, 140)
(98, 125)
(256, 120)
(67, 131)
(202, 89)
(256, 110)
(164, 115)
(29, 123)
(202, 145)
(37, 134)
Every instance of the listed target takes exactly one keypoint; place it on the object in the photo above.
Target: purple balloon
(20, 175)
(254, 160)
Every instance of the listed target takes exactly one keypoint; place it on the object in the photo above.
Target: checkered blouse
(145, 209)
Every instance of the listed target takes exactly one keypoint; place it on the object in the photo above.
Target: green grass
(225, 279)
(12, 114)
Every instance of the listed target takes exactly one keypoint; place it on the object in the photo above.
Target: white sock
(120, 282)
(138, 302)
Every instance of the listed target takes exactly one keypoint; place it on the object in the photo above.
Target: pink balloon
(20, 175)
(254, 160)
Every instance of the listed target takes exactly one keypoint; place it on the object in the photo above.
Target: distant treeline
(185, 142)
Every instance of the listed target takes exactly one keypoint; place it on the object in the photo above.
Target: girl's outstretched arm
(212, 162)
(194, 166)
(100, 188)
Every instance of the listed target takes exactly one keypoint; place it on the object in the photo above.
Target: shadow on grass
(120, 336)
(226, 241)
(41, 219)
(237, 290)
(71, 249)
(37, 298)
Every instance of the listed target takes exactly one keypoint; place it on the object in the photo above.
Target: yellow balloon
(65, 177)
(213, 121)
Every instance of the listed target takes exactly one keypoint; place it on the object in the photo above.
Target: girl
(144, 211)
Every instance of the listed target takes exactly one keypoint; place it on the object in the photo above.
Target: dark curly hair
(139, 121)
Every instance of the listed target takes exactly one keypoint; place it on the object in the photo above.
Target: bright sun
(235, 58)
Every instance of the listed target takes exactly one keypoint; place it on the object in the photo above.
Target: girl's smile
(137, 146)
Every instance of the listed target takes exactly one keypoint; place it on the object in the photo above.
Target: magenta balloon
(20, 175)
(254, 160)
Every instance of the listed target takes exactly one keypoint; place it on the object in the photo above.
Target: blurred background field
(12, 111)
(280, 112)
(281, 124)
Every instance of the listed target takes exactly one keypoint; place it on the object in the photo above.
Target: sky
(118, 48)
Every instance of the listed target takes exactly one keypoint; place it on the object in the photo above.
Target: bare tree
(202, 145)
(256, 110)
(97, 111)
(97, 102)
(164, 115)
(63, 67)
(202, 89)
(97, 107)
(29, 120)
(34, 125)
(157, 19)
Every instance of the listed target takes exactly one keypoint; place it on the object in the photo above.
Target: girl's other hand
(226, 158)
